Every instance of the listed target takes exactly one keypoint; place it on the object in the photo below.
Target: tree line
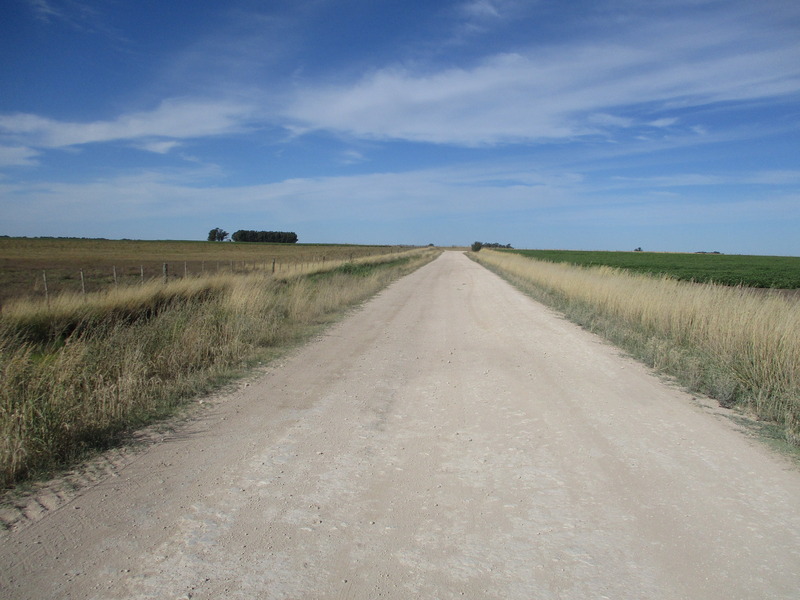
(476, 246)
(245, 235)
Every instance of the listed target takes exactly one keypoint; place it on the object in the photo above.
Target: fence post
(141, 272)
(185, 270)
(46, 294)
(83, 284)
(273, 266)
(114, 270)
(166, 272)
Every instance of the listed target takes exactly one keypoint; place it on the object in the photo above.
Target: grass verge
(78, 374)
(732, 344)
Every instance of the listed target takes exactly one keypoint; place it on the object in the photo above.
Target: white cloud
(490, 103)
(678, 211)
(476, 189)
(352, 157)
(607, 120)
(44, 10)
(378, 197)
(775, 178)
(557, 91)
(159, 147)
(503, 192)
(674, 180)
(17, 156)
(174, 118)
(480, 8)
(665, 122)
(770, 178)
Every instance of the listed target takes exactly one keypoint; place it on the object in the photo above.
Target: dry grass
(737, 345)
(76, 374)
(23, 261)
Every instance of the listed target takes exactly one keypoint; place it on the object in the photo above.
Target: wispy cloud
(352, 157)
(677, 180)
(173, 119)
(556, 92)
(665, 122)
(17, 156)
(480, 9)
(376, 197)
(676, 210)
(159, 147)
(626, 111)
(478, 17)
(44, 9)
(79, 15)
(463, 190)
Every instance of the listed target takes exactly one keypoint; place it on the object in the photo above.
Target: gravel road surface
(449, 439)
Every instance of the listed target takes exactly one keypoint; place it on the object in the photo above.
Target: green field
(727, 269)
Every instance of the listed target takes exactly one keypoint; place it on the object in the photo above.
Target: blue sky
(669, 125)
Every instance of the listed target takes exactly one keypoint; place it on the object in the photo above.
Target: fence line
(95, 279)
(85, 280)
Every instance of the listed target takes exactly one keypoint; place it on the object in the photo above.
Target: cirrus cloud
(172, 119)
(17, 156)
(552, 92)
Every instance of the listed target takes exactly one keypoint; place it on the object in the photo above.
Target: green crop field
(726, 269)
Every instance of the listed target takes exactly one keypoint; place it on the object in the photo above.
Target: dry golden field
(25, 262)
(738, 345)
(78, 370)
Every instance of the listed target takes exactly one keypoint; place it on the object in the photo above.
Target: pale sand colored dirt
(451, 439)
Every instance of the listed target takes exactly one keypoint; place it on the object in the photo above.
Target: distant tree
(217, 235)
(478, 245)
(275, 237)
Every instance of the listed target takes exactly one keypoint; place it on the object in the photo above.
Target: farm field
(738, 345)
(24, 260)
(78, 370)
(727, 269)
(448, 439)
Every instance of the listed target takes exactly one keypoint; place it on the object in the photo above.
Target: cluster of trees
(275, 237)
(217, 235)
(476, 246)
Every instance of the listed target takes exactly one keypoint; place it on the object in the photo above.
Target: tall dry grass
(739, 345)
(78, 373)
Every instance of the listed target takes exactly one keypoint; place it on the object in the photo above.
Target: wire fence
(54, 281)
(36, 277)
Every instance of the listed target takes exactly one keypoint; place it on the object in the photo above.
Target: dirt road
(451, 439)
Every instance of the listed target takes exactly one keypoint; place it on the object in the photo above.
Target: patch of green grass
(781, 272)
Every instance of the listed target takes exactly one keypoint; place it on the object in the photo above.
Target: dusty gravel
(450, 439)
